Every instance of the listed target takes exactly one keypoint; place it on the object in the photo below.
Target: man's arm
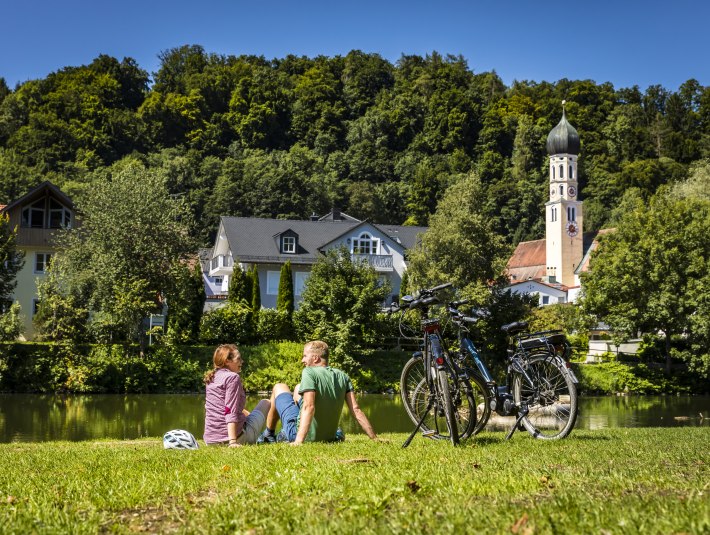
(359, 415)
(308, 409)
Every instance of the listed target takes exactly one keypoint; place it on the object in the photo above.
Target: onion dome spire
(563, 139)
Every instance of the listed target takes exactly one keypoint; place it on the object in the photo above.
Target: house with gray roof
(270, 243)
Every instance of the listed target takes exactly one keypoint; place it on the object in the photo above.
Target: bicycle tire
(415, 397)
(444, 384)
(551, 400)
(480, 393)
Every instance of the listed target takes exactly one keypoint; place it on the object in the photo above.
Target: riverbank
(615, 481)
(66, 368)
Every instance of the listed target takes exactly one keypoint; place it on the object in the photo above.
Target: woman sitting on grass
(226, 420)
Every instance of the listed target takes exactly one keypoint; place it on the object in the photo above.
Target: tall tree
(121, 260)
(652, 273)
(11, 261)
(340, 304)
(256, 290)
(284, 299)
(238, 291)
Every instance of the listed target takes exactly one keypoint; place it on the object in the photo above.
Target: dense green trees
(340, 304)
(284, 138)
(387, 142)
(652, 274)
(122, 261)
(11, 261)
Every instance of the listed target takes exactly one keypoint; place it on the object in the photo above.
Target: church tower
(563, 212)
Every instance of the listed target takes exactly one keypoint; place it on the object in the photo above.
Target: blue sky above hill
(625, 42)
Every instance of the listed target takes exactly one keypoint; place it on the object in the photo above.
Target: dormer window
(365, 244)
(33, 215)
(46, 213)
(288, 244)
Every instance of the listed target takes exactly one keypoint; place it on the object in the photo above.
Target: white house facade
(269, 243)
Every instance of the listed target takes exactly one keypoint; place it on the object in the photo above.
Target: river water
(38, 418)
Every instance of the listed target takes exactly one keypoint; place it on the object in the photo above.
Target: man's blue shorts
(288, 412)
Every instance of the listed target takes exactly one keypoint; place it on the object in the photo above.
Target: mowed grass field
(607, 481)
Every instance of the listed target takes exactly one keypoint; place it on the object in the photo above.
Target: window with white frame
(365, 244)
(288, 244)
(42, 261)
(272, 282)
(33, 215)
(59, 215)
(300, 278)
(218, 281)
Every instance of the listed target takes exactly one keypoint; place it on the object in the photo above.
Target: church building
(550, 268)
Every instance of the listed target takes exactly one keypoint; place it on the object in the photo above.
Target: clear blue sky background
(626, 42)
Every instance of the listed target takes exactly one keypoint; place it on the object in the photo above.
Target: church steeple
(563, 212)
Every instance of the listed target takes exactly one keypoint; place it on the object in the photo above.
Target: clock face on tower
(572, 229)
(571, 191)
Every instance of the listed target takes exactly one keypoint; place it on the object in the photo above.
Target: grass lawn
(607, 481)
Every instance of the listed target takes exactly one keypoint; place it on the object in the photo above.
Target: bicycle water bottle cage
(430, 325)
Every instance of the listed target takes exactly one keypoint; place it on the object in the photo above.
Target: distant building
(38, 215)
(550, 268)
(269, 243)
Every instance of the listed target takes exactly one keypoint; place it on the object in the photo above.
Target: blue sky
(626, 42)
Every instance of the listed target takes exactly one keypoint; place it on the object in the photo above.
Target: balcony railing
(42, 237)
(381, 262)
(221, 265)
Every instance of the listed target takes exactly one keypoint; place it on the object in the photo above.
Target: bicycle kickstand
(522, 413)
(421, 420)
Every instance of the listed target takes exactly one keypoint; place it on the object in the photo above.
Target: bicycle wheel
(415, 396)
(551, 398)
(445, 385)
(481, 401)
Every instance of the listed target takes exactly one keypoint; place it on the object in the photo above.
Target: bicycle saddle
(515, 327)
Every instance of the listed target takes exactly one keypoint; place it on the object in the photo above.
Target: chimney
(336, 214)
(314, 217)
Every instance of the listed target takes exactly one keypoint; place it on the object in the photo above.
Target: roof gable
(38, 192)
(252, 239)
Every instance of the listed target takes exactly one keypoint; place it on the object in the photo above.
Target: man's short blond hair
(318, 348)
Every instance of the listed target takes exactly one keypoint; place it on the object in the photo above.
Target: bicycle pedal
(428, 434)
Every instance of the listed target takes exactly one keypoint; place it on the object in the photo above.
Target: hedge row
(55, 367)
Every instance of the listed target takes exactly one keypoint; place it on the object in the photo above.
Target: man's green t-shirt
(330, 386)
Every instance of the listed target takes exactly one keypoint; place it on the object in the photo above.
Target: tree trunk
(668, 352)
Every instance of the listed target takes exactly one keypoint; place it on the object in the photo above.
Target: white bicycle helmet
(177, 439)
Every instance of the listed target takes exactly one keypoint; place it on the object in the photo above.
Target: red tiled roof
(528, 261)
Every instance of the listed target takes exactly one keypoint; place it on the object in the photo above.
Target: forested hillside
(284, 138)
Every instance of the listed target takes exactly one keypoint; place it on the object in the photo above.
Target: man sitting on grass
(312, 412)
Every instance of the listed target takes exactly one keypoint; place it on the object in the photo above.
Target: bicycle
(540, 388)
(442, 404)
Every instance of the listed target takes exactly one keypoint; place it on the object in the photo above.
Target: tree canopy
(122, 261)
(246, 136)
(652, 274)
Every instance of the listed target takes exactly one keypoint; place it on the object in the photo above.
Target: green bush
(231, 323)
(273, 325)
(615, 377)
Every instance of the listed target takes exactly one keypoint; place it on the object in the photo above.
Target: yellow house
(37, 215)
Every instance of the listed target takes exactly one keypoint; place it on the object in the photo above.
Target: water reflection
(30, 417)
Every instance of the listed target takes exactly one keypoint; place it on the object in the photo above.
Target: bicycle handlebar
(424, 298)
